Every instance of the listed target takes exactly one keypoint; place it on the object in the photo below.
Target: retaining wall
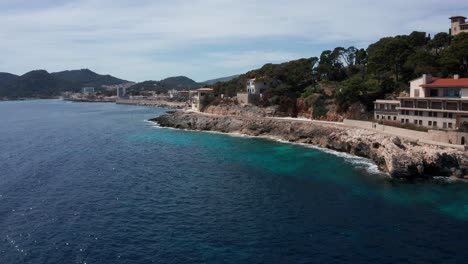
(448, 137)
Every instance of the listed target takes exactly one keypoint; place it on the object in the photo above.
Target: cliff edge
(401, 158)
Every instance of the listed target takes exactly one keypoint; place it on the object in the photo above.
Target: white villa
(254, 91)
(255, 86)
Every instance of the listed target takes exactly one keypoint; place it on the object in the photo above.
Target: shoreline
(371, 167)
(154, 103)
(400, 158)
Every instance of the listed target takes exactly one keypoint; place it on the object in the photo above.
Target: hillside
(180, 83)
(177, 83)
(6, 78)
(223, 79)
(38, 83)
(87, 77)
(345, 81)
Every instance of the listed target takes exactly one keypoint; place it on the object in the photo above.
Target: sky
(142, 40)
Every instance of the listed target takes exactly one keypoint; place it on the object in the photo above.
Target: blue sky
(202, 39)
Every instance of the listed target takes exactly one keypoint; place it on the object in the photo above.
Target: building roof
(441, 83)
(452, 17)
(387, 101)
(205, 89)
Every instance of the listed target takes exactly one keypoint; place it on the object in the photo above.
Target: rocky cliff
(400, 158)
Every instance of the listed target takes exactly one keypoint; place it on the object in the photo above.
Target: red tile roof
(441, 83)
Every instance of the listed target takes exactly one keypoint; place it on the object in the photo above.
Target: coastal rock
(399, 157)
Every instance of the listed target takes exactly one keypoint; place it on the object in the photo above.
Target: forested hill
(6, 78)
(177, 83)
(40, 83)
(87, 77)
(36, 84)
(359, 75)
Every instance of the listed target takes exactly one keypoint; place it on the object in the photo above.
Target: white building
(121, 91)
(386, 110)
(433, 102)
(87, 90)
(255, 86)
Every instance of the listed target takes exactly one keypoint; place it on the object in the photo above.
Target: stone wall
(448, 137)
(248, 99)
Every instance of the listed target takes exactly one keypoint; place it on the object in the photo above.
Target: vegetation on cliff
(359, 76)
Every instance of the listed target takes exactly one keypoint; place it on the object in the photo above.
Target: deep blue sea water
(95, 183)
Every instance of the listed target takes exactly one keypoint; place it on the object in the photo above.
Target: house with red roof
(435, 102)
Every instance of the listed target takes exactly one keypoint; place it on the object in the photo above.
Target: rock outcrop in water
(401, 158)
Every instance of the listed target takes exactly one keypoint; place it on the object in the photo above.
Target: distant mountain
(223, 79)
(180, 81)
(177, 83)
(38, 83)
(87, 77)
(6, 78)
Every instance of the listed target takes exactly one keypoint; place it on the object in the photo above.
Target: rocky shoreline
(401, 158)
(155, 103)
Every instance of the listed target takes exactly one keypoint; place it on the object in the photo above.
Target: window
(434, 93)
(407, 121)
(450, 125)
(450, 115)
(394, 118)
(393, 107)
(451, 93)
(435, 114)
(389, 117)
(402, 121)
(429, 123)
(416, 93)
(415, 122)
(445, 115)
(434, 123)
(420, 122)
(429, 114)
(444, 125)
(378, 116)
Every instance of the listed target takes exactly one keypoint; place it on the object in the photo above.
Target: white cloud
(141, 39)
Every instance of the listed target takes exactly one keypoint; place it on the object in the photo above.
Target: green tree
(389, 55)
(439, 42)
(454, 59)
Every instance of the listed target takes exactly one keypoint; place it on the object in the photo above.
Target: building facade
(87, 90)
(458, 25)
(386, 110)
(201, 97)
(433, 102)
(121, 92)
(255, 86)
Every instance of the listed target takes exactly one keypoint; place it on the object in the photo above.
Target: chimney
(456, 76)
(427, 78)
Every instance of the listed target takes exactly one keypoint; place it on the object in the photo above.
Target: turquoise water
(96, 183)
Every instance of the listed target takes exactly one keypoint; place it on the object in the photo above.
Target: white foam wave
(360, 162)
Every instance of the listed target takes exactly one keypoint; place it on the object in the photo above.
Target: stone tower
(458, 25)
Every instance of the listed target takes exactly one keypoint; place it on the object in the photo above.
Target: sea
(98, 183)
